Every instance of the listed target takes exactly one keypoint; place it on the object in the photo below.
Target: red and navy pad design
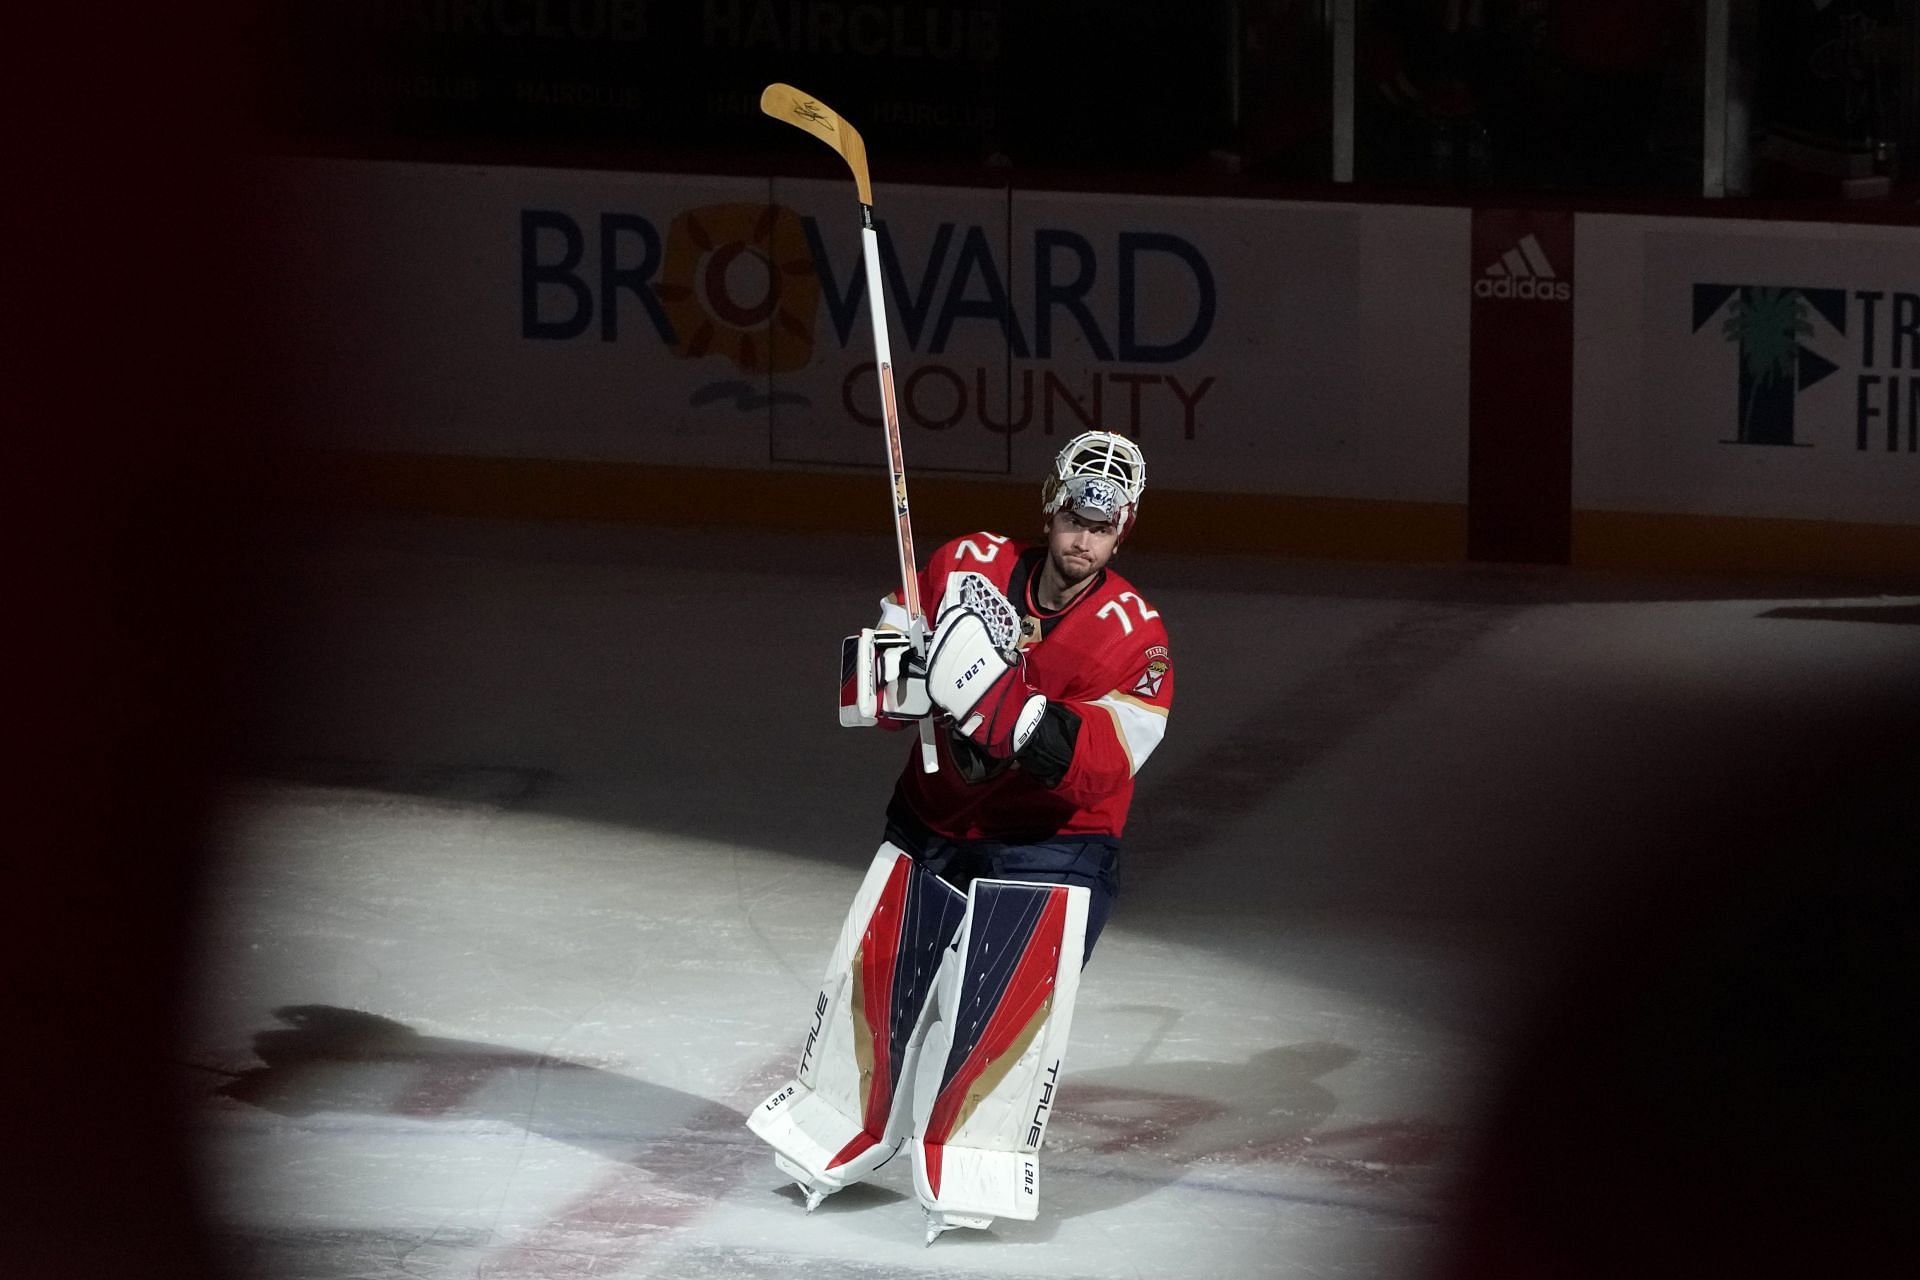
(1006, 996)
(893, 971)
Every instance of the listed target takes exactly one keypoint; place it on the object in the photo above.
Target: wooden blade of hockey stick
(803, 111)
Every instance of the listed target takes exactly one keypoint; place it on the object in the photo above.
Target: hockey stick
(784, 102)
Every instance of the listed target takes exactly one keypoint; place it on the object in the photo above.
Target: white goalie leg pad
(991, 1065)
(848, 1107)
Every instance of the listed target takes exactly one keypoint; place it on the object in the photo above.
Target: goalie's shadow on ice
(1122, 1133)
(328, 1059)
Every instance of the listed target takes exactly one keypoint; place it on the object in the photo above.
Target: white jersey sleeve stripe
(1141, 725)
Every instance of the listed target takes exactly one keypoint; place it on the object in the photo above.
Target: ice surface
(548, 834)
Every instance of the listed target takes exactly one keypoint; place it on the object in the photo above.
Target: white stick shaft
(896, 463)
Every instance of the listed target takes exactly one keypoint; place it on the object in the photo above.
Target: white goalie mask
(1098, 476)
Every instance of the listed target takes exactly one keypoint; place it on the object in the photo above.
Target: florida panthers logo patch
(1148, 685)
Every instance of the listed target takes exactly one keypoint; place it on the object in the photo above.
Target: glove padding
(977, 592)
(881, 677)
(983, 688)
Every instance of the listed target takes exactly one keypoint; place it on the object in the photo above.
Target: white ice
(550, 830)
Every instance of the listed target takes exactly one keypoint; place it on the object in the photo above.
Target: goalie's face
(1078, 547)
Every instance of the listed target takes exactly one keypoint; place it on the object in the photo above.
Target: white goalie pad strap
(991, 1064)
(847, 1109)
(976, 592)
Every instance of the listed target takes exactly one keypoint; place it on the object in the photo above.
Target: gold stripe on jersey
(1139, 702)
(1139, 726)
(1119, 734)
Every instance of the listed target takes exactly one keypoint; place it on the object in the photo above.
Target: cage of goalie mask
(1098, 476)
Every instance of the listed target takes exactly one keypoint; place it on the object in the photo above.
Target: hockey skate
(940, 1221)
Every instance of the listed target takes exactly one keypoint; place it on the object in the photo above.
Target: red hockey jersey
(1105, 655)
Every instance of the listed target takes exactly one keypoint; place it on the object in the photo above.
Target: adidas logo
(1523, 272)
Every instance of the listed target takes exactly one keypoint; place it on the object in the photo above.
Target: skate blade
(939, 1221)
(813, 1191)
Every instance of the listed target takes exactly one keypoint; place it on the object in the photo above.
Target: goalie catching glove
(881, 677)
(983, 687)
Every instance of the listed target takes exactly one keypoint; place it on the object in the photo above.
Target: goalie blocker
(953, 1042)
(881, 676)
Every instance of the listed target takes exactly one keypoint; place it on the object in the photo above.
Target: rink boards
(1381, 381)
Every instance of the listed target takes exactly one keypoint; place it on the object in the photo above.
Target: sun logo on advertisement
(1767, 323)
(737, 280)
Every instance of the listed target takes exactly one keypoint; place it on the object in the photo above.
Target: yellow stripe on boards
(1672, 543)
(857, 501)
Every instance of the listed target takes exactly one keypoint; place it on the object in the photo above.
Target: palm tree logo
(1767, 323)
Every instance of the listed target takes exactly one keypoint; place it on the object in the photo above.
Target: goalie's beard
(1071, 578)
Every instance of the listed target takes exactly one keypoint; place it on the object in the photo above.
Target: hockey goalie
(943, 1020)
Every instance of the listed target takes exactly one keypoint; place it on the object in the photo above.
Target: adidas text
(1535, 290)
